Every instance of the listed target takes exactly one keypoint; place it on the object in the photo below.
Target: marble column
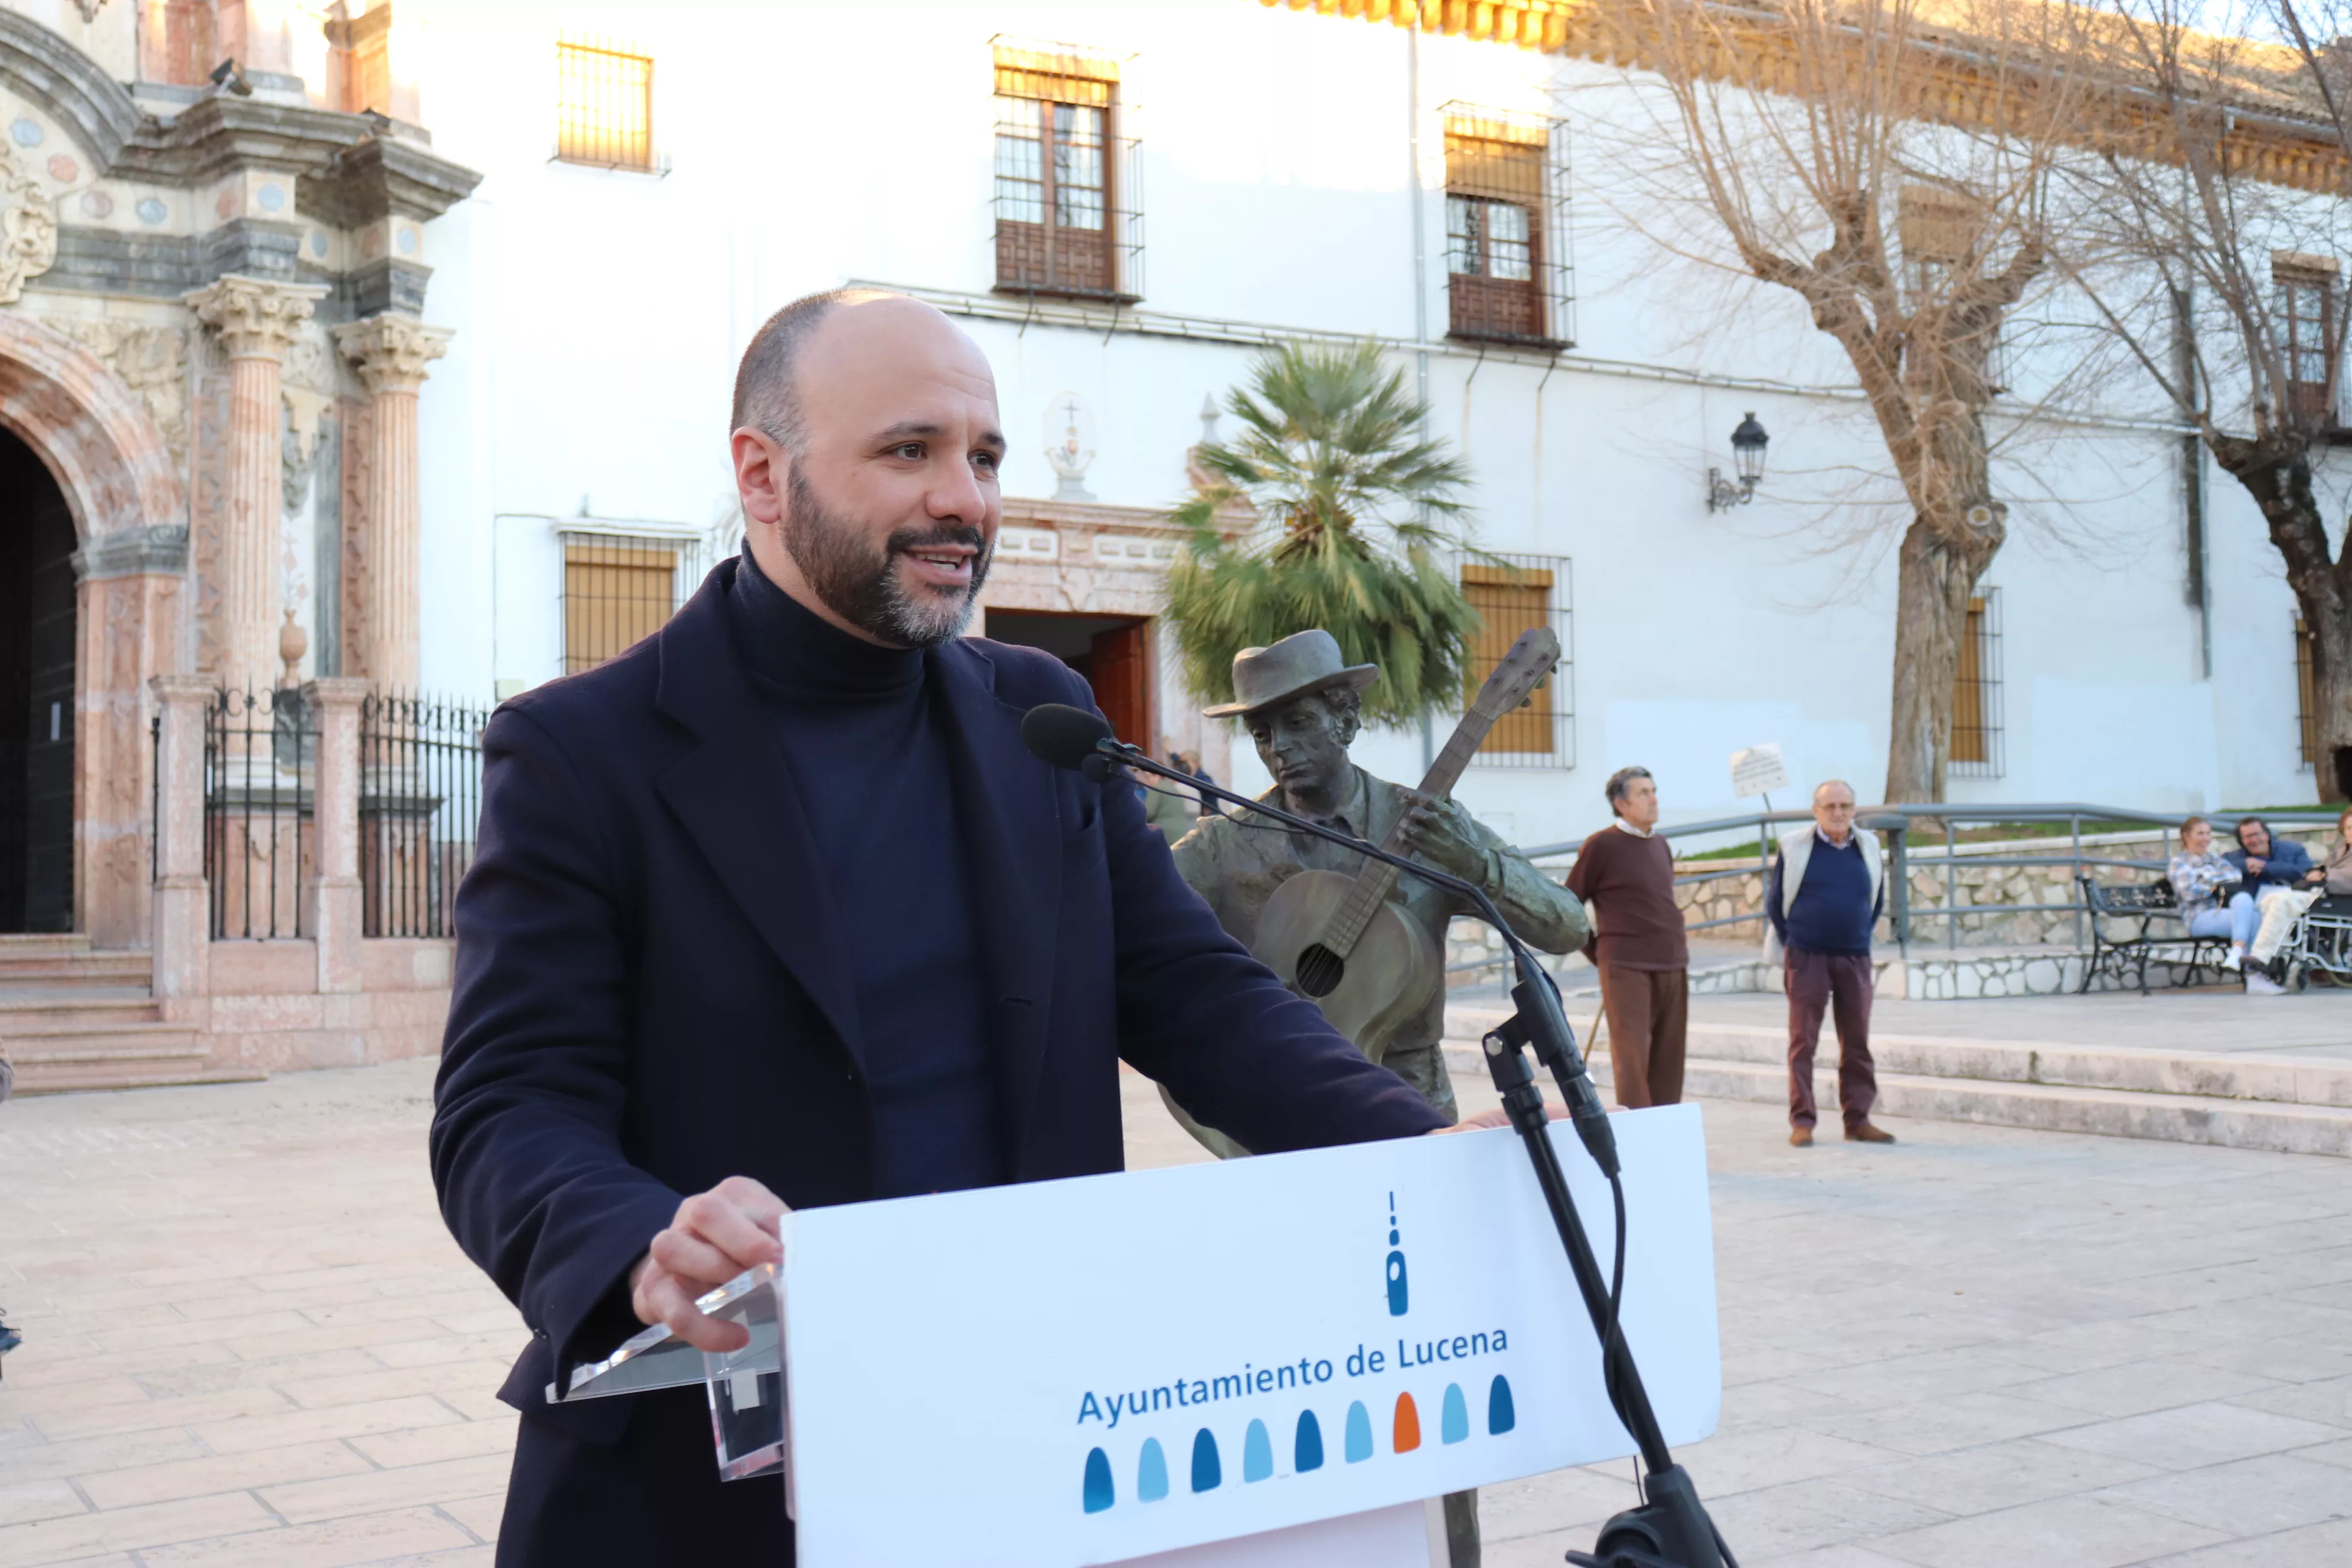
(391, 353)
(257, 321)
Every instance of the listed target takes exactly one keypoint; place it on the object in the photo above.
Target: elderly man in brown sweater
(1626, 874)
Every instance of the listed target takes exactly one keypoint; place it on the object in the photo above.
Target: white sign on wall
(1091, 1371)
(1759, 770)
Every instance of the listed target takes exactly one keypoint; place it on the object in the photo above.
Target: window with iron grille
(1977, 750)
(618, 592)
(2308, 335)
(2307, 699)
(1067, 218)
(1942, 236)
(1507, 256)
(603, 105)
(1515, 594)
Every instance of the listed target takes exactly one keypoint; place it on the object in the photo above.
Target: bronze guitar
(1336, 941)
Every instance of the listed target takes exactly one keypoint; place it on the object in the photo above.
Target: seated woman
(2206, 886)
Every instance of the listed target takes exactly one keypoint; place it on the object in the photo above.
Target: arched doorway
(37, 642)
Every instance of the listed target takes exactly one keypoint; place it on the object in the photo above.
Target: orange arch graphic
(1408, 1425)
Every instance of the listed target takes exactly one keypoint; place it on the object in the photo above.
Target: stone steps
(2287, 1105)
(64, 959)
(138, 1056)
(73, 1019)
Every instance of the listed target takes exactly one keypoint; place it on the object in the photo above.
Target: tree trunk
(2275, 470)
(1938, 576)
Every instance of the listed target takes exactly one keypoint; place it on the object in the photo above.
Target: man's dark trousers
(1838, 984)
(1649, 1015)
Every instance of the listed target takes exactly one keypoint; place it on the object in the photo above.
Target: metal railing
(420, 797)
(1897, 822)
(261, 751)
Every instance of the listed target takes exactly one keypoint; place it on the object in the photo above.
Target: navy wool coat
(652, 994)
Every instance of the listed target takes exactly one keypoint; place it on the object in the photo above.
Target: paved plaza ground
(250, 1341)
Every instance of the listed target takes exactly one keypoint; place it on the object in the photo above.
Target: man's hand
(1497, 1117)
(1438, 831)
(716, 1235)
(2254, 864)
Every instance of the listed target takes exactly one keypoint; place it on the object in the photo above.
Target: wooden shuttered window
(1509, 601)
(1968, 737)
(616, 592)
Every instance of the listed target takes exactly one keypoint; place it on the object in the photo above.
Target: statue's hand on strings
(1438, 832)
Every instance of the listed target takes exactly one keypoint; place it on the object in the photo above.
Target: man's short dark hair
(1620, 783)
(766, 397)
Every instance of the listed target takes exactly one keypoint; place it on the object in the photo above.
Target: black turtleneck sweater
(862, 732)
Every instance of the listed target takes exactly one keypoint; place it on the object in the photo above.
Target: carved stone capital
(391, 351)
(256, 319)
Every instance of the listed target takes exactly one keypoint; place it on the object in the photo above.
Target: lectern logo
(1397, 1290)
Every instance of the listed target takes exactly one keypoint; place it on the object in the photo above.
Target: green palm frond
(1361, 522)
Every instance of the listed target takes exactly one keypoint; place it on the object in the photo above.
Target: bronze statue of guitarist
(1301, 706)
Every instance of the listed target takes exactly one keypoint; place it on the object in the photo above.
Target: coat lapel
(1007, 817)
(737, 800)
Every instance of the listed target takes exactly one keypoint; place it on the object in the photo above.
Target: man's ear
(761, 472)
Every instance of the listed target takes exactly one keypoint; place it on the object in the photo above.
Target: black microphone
(1069, 738)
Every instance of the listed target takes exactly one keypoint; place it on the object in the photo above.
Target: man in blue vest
(1826, 891)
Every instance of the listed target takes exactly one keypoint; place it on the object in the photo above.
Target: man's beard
(863, 587)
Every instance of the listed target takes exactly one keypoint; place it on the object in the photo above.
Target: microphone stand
(1672, 1529)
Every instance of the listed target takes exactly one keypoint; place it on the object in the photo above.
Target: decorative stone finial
(293, 642)
(1069, 444)
(1208, 419)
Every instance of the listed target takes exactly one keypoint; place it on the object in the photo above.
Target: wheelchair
(2320, 943)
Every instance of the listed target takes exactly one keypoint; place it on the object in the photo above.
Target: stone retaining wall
(1996, 890)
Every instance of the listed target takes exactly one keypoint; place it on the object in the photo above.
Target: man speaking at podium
(774, 910)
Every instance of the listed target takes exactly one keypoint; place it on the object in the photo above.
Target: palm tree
(1359, 521)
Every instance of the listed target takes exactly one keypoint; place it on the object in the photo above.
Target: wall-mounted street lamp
(1747, 444)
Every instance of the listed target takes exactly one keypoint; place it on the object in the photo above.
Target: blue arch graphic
(1097, 1493)
(1206, 1472)
(1500, 1416)
(1454, 1425)
(1257, 1453)
(1151, 1475)
(1360, 1433)
(1306, 1452)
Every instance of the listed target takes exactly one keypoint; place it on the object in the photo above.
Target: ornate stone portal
(28, 228)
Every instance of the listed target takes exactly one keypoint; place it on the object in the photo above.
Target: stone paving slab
(251, 1342)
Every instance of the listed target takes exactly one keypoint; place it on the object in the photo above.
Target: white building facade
(424, 343)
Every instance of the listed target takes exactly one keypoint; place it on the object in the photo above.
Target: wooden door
(1119, 667)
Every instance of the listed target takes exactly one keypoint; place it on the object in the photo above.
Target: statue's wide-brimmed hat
(1298, 664)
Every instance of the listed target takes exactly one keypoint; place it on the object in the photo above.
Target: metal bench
(2125, 959)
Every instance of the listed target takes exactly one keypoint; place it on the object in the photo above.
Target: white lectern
(1264, 1361)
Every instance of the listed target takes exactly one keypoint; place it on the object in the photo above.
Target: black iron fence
(261, 752)
(420, 794)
